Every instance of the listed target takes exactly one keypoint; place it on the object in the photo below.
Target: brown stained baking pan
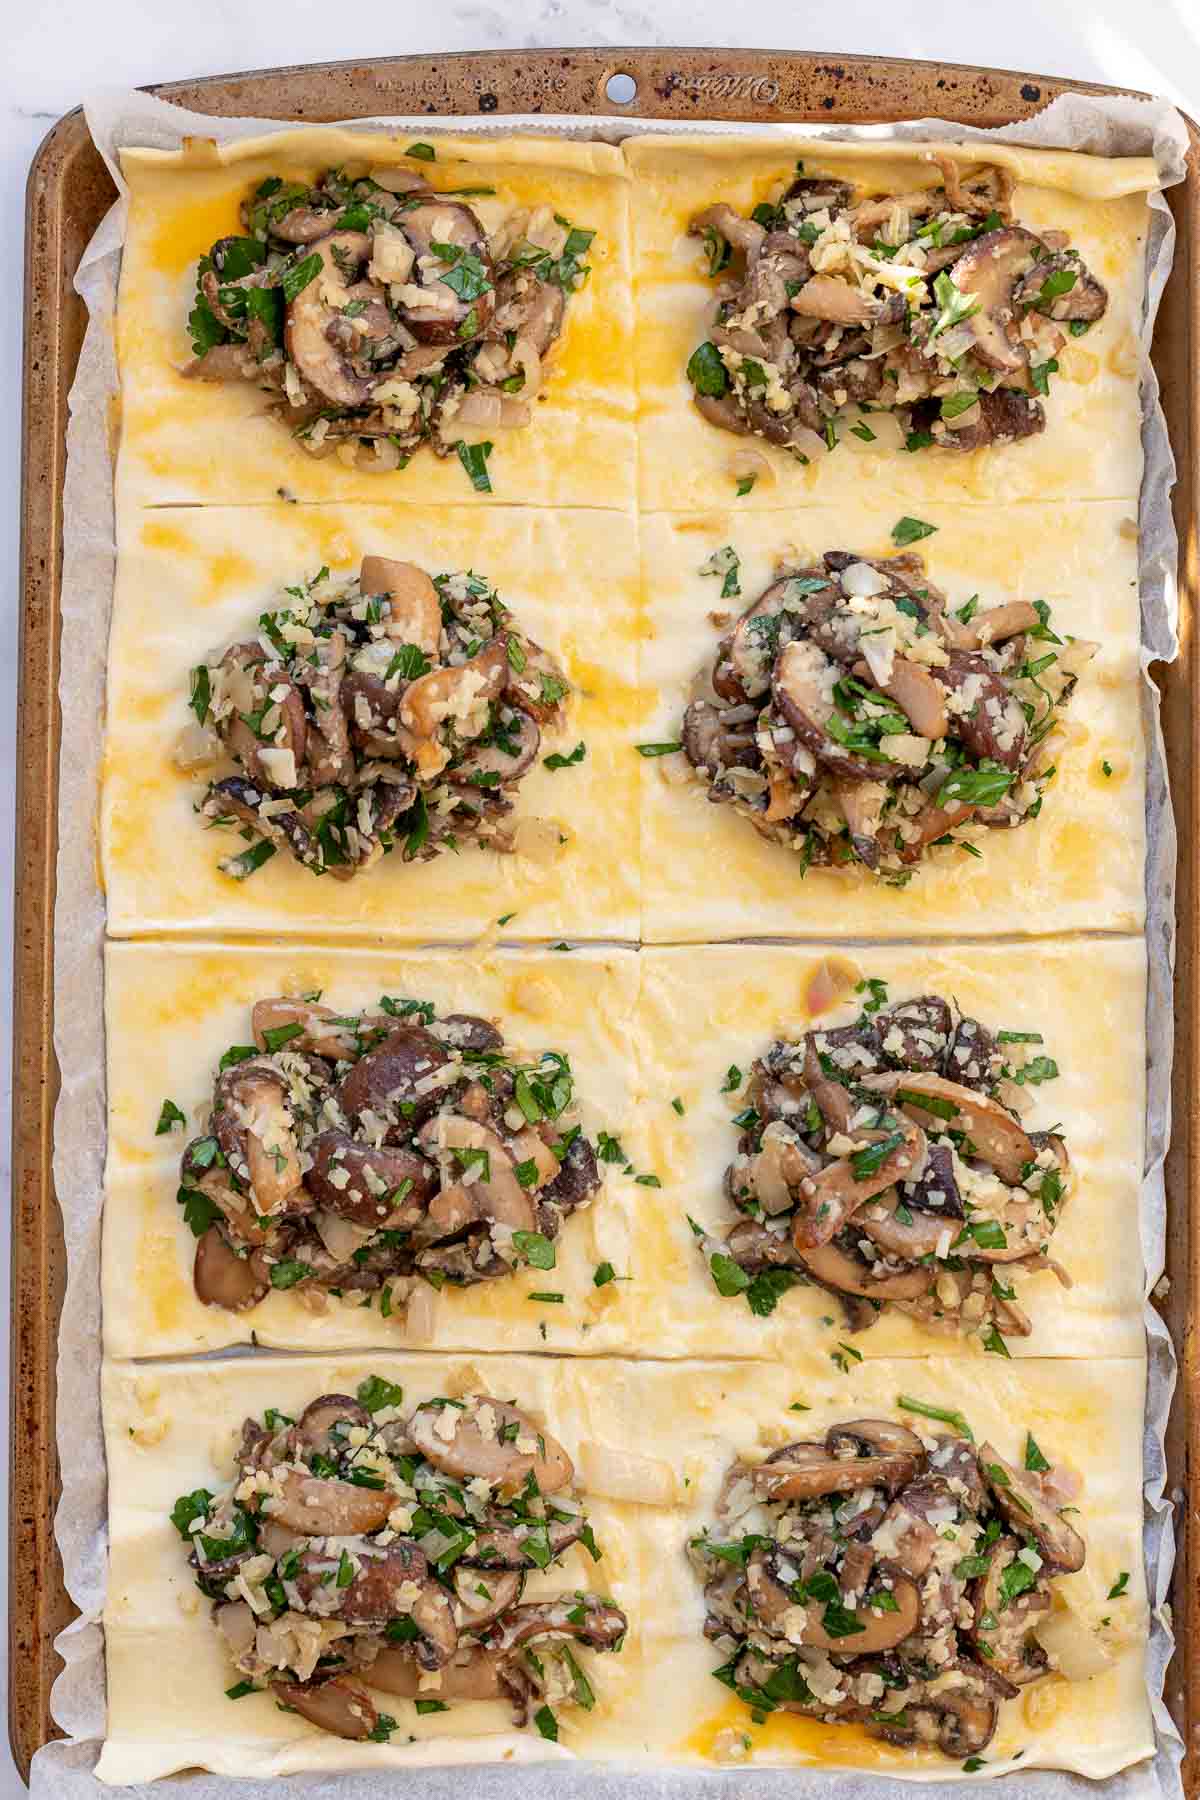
(69, 191)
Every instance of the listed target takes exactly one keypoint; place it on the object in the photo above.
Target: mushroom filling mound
(886, 1579)
(391, 711)
(856, 717)
(380, 314)
(361, 1154)
(934, 306)
(359, 1547)
(886, 1161)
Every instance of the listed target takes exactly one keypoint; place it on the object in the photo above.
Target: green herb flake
(168, 1118)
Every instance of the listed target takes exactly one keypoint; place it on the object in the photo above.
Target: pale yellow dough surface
(191, 580)
(172, 1012)
(705, 1010)
(210, 442)
(1090, 448)
(171, 1428)
(641, 1030)
(708, 873)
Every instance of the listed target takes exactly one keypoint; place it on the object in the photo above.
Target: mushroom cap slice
(396, 1074)
(585, 1617)
(252, 1121)
(321, 363)
(806, 1471)
(995, 1134)
(827, 1200)
(321, 1507)
(883, 1437)
(837, 1269)
(223, 1278)
(414, 610)
(438, 314)
(512, 750)
(322, 1032)
(385, 1189)
(988, 270)
(493, 1440)
(1027, 1513)
(472, 1674)
(802, 685)
(318, 1423)
(480, 1599)
(336, 1706)
(462, 1144)
(389, 1582)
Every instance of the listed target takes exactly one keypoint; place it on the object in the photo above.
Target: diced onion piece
(861, 578)
(833, 978)
(1076, 1649)
(420, 1314)
(196, 747)
(621, 1475)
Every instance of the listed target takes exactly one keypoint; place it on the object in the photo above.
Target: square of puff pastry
(667, 1434)
(191, 580)
(1090, 447)
(1077, 866)
(707, 1014)
(173, 1010)
(211, 441)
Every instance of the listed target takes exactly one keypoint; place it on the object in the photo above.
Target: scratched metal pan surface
(69, 191)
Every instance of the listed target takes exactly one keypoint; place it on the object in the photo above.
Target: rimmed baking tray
(68, 194)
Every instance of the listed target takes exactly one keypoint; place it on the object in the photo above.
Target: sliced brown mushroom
(746, 235)
(388, 1582)
(802, 684)
(916, 693)
(837, 1269)
(909, 1240)
(584, 1617)
(386, 1189)
(336, 1706)
(483, 1182)
(827, 1200)
(433, 311)
(829, 297)
(806, 1471)
(480, 1598)
(511, 750)
(493, 1440)
(882, 1437)
(325, 1507)
(253, 1125)
(223, 1278)
(993, 723)
(414, 613)
(987, 271)
(324, 1423)
(473, 1674)
(1085, 299)
(459, 694)
(319, 1030)
(320, 361)
(397, 1079)
(996, 623)
(1028, 1514)
(995, 1134)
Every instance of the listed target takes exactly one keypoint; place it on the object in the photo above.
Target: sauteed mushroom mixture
(888, 1579)
(886, 1161)
(934, 306)
(362, 1547)
(362, 1154)
(394, 710)
(380, 314)
(856, 717)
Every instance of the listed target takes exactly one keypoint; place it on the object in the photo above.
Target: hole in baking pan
(620, 88)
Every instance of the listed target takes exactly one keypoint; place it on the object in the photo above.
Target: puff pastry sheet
(206, 442)
(1078, 866)
(1091, 445)
(193, 579)
(171, 1012)
(171, 1428)
(642, 1030)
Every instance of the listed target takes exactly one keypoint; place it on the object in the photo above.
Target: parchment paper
(1111, 127)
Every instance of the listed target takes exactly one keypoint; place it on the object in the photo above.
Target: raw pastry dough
(706, 1010)
(169, 1429)
(207, 442)
(191, 580)
(172, 1012)
(1091, 446)
(1078, 866)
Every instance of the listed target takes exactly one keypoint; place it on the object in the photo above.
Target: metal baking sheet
(69, 191)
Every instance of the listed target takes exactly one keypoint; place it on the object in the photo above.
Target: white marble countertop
(54, 53)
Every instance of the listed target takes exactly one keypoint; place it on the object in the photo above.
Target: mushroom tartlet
(362, 1548)
(379, 314)
(363, 1154)
(887, 1579)
(854, 716)
(886, 1161)
(934, 306)
(392, 711)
